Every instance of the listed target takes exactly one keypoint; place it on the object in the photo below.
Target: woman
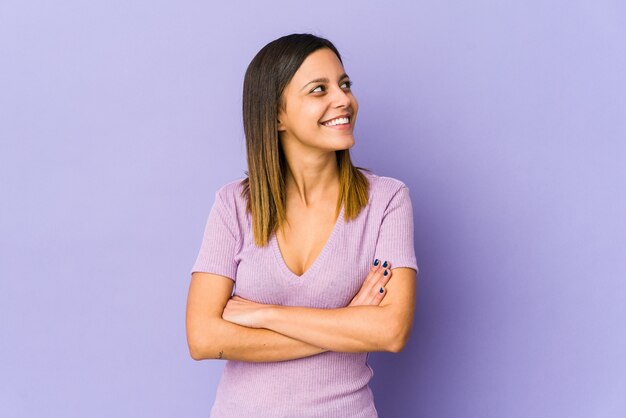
(307, 241)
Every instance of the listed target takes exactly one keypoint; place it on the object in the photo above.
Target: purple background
(507, 120)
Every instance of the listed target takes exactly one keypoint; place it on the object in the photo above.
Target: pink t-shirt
(326, 385)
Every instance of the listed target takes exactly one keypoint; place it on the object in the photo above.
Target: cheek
(355, 104)
(306, 112)
(313, 115)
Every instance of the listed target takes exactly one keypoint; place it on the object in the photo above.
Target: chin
(347, 144)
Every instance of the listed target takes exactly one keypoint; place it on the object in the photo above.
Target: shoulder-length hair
(267, 76)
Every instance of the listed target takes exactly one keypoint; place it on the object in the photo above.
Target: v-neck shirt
(330, 384)
(313, 267)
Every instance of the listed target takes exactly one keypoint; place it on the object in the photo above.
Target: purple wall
(507, 120)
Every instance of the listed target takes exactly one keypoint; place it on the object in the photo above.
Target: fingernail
(385, 273)
(385, 264)
(382, 290)
(376, 262)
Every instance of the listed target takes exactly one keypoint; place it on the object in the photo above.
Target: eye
(347, 83)
(315, 90)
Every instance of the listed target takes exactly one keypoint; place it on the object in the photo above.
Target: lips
(337, 119)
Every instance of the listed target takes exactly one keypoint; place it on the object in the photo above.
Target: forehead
(321, 63)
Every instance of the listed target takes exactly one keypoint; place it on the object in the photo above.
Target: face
(320, 109)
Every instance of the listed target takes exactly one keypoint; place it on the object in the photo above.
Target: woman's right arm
(211, 337)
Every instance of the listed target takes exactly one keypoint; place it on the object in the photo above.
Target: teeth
(338, 121)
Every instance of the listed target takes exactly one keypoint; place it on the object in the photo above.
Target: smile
(337, 121)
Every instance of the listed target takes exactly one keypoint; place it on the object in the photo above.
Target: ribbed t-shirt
(326, 385)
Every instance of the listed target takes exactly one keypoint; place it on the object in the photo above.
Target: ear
(279, 125)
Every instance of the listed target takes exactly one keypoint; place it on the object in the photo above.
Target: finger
(363, 294)
(385, 264)
(371, 275)
(375, 275)
(379, 295)
(385, 277)
(369, 287)
(374, 292)
(385, 274)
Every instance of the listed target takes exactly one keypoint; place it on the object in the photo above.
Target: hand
(244, 312)
(370, 293)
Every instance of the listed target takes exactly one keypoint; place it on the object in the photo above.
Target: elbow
(200, 346)
(396, 346)
(397, 339)
(196, 348)
(196, 353)
(203, 339)
(203, 351)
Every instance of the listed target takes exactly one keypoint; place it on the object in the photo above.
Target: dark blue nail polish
(385, 273)
(376, 262)
(382, 290)
(385, 264)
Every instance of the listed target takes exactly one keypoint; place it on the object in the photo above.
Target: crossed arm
(222, 327)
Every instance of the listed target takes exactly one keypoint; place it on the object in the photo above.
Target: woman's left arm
(354, 329)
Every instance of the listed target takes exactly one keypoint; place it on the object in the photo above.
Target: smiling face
(319, 108)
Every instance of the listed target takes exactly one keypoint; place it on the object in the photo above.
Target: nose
(340, 98)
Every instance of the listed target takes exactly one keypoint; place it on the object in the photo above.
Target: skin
(312, 172)
(220, 326)
(312, 181)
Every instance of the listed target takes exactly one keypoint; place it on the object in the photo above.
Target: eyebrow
(324, 80)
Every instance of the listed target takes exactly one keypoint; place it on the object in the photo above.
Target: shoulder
(384, 188)
(231, 193)
(230, 203)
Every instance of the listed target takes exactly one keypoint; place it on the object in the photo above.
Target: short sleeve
(219, 242)
(395, 237)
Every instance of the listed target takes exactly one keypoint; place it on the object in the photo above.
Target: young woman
(293, 281)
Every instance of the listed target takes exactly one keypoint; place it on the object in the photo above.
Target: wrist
(267, 314)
